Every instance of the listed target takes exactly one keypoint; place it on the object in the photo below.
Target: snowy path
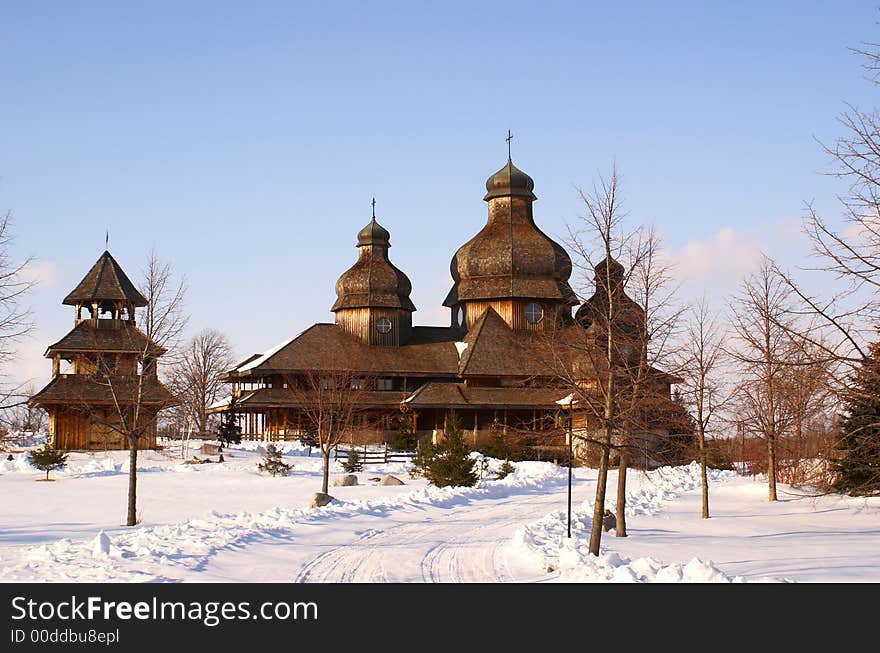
(470, 542)
(465, 545)
(466, 542)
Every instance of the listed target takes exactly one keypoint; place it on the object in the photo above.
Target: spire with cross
(508, 139)
(374, 208)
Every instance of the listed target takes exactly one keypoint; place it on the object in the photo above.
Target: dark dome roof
(629, 317)
(373, 281)
(617, 270)
(510, 257)
(510, 181)
(374, 234)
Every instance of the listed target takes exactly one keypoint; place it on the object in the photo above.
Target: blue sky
(245, 140)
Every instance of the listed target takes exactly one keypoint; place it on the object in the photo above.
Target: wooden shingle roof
(329, 347)
(493, 349)
(105, 336)
(284, 398)
(86, 390)
(439, 395)
(106, 281)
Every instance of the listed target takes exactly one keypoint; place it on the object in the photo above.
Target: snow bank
(139, 554)
(18, 463)
(546, 544)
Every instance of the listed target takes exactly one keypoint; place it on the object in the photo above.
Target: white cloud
(29, 364)
(722, 259)
(44, 273)
(717, 265)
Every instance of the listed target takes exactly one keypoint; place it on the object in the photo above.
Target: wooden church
(510, 296)
(104, 383)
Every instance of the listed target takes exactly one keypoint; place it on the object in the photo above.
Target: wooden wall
(361, 322)
(80, 430)
(513, 311)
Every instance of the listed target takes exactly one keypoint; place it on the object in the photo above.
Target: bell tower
(112, 366)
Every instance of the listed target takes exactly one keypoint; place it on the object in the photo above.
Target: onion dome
(616, 272)
(510, 181)
(373, 282)
(374, 234)
(510, 257)
(105, 282)
(628, 316)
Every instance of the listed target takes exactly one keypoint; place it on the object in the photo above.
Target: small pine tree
(353, 463)
(404, 438)
(272, 462)
(505, 469)
(857, 465)
(309, 438)
(229, 432)
(47, 459)
(423, 457)
(450, 463)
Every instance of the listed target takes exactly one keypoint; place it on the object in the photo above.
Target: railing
(373, 456)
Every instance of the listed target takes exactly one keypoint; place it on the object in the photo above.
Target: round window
(383, 325)
(459, 316)
(534, 313)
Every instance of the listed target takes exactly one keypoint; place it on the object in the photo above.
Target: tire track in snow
(465, 545)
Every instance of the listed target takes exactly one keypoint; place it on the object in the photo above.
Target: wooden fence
(374, 456)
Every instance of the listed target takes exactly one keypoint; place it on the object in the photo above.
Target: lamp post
(569, 402)
(570, 456)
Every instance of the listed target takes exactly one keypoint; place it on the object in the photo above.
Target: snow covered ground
(226, 522)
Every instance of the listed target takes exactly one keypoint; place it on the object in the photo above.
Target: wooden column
(476, 413)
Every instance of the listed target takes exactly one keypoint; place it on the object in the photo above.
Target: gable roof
(494, 349)
(106, 281)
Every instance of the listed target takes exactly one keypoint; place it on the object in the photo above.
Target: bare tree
(850, 254)
(330, 405)
(703, 386)
(762, 321)
(15, 319)
(842, 324)
(22, 416)
(195, 375)
(163, 319)
(136, 396)
(590, 362)
(651, 284)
